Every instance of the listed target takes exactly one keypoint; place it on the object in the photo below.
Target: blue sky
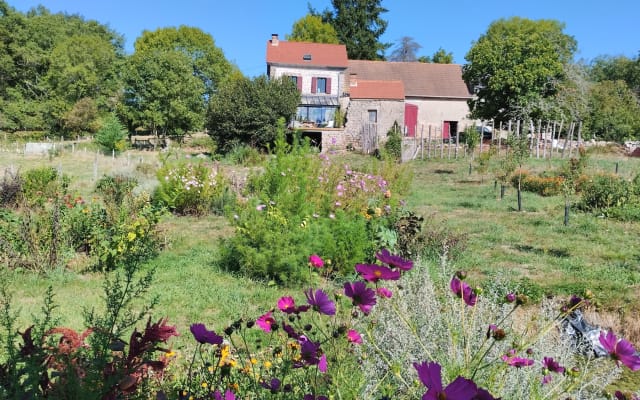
(242, 27)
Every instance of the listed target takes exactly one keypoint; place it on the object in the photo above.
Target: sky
(241, 28)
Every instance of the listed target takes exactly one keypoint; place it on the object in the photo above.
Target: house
(425, 99)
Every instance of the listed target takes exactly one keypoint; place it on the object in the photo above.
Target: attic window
(306, 57)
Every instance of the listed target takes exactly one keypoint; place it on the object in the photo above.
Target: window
(322, 85)
(373, 116)
(294, 79)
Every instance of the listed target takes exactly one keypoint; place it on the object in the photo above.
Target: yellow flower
(170, 354)
(254, 361)
(210, 369)
(378, 211)
(267, 364)
(204, 385)
(131, 236)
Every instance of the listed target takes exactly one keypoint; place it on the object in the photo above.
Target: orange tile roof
(419, 79)
(293, 53)
(383, 90)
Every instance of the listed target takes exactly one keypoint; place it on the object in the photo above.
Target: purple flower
(384, 292)
(625, 396)
(373, 273)
(202, 335)
(430, 375)
(312, 397)
(394, 260)
(320, 302)
(510, 297)
(309, 352)
(462, 289)
(620, 350)
(316, 261)
(291, 332)
(322, 364)
(273, 385)
(360, 295)
(550, 365)
(228, 395)
(265, 321)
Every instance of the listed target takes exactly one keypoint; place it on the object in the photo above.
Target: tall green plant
(112, 135)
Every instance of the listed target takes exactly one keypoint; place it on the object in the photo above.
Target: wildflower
(361, 295)
(620, 350)
(518, 362)
(313, 397)
(260, 207)
(463, 290)
(393, 260)
(320, 302)
(495, 332)
(202, 335)
(550, 365)
(625, 396)
(322, 364)
(384, 292)
(265, 322)
(373, 272)
(430, 375)
(286, 304)
(309, 351)
(354, 337)
(228, 395)
(510, 297)
(316, 261)
(273, 385)
(159, 331)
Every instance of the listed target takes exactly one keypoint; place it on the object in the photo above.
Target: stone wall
(388, 112)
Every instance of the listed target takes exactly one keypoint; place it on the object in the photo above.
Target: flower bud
(461, 275)
(510, 297)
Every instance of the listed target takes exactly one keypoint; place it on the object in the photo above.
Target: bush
(245, 155)
(42, 184)
(605, 191)
(112, 135)
(542, 185)
(192, 189)
(393, 145)
(114, 189)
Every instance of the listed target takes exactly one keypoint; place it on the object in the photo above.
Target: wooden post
(559, 133)
(441, 142)
(538, 138)
(422, 142)
(457, 142)
(500, 139)
(429, 143)
(95, 167)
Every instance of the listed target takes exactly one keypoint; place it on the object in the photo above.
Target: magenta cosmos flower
(354, 337)
(203, 335)
(514, 361)
(620, 350)
(430, 375)
(265, 321)
(287, 304)
(462, 289)
(228, 395)
(316, 261)
(361, 295)
(393, 260)
(384, 292)
(550, 365)
(320, 302)
(373, 273)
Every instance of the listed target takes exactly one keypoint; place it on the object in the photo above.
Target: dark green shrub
(245, 155)
(112, 136)
(604, 191)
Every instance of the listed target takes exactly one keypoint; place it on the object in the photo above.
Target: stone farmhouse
(425, 100)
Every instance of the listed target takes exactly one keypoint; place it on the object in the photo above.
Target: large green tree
(620, 68)
(246, 111)
(614, 112)
(170, 78)
(310, 28)
(515, 65)
(359, 26)
(162, 93)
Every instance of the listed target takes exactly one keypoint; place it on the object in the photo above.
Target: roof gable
(306, 54)
(382, 90)
(419, 79)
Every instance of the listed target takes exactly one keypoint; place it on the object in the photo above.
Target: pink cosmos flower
(322, 364)
(550, 365)
(354, 337)
(373, 273)
(517, 362)
(265, 321)
(384, 292)
(286, 304)
(316, 261)
(620, 350)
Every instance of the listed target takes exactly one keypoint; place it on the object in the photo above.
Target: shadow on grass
(559, 253)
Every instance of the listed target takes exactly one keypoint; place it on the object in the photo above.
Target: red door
(410, 118)
(446, 130)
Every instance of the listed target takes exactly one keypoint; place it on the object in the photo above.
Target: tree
(111, 136)
(247, 110)
(442, 57)
(359, 27)
(163, 94)
(621, 68)
(207, 60)
(405, 50)
(83, 117)
(310, 28)
(515, 65)
(614, 112)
